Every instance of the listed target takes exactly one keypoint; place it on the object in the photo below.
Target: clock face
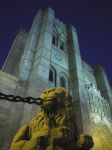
(58, 57)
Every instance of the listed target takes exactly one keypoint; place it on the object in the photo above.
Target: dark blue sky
(92, 19)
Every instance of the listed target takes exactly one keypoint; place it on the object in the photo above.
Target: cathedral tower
(49, 56)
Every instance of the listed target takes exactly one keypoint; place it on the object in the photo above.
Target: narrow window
(62, 46)
(54, 40)
(51, 75)
(57, 40)
(52, 78)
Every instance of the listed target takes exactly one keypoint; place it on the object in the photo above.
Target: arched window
(63, 81)
(51, 74)
(52, 77)
(62, 46)
(54, 40)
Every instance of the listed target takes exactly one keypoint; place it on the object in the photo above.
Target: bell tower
(49, 56)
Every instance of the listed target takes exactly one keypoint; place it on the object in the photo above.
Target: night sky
(91, 18)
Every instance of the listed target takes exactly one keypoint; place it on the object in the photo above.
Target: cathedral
(49, 56)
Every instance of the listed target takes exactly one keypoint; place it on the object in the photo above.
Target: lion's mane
(60, 116)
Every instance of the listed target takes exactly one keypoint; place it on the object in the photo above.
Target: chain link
(13, 98)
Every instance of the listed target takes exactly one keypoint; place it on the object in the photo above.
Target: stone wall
(10, 112)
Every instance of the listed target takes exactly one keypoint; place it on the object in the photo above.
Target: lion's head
(55, 99)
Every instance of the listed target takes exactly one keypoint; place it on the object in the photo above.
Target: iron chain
(13, 98)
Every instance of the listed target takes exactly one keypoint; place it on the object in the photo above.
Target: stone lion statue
(53, 128)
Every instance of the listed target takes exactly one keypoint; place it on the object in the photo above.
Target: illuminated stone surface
(26, 73)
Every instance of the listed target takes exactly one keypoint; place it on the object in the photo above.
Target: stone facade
(48, 56)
